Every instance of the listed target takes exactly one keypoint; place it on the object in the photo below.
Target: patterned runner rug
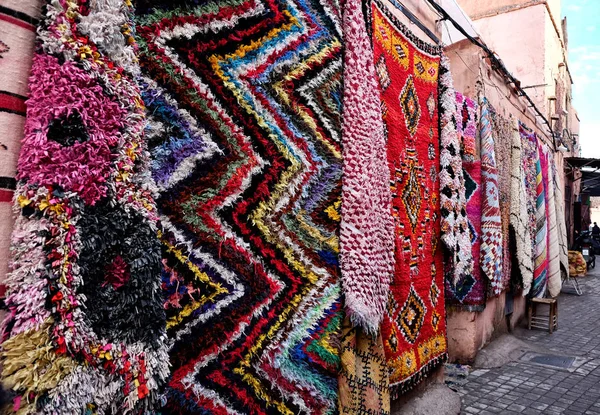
(414, 329)
(469, 293)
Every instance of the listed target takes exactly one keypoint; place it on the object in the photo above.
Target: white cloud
(590, 28)
(573, 7)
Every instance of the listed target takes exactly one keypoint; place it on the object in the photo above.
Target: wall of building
(468, 332)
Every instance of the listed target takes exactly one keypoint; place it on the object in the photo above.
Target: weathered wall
(467, 331)
(516, 38)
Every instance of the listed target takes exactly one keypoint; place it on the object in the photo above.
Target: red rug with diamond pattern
(414, 330)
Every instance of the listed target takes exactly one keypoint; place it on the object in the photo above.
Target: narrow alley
(528, 387)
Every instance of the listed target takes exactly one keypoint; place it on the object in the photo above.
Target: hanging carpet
(560, 209)
(520, 232)
(491, 222)
(502, 134)
(414, 328)
(554, 274)
(244, 101)
(469, 293)
(86, 326)
(540, 247)
(529, 156)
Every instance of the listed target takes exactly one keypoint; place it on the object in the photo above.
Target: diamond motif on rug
(463, 287)
(409, 102)
(411, 316)
(411, 195)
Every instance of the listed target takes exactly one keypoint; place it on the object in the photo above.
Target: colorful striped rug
(244, 101)
(414, 329)
(554, 275)
(540, 272)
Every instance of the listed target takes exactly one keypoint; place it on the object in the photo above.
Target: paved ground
(528, 388)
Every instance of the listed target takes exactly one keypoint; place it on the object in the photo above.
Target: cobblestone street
(531, 388)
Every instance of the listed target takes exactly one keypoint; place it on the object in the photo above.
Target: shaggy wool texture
(414, 328)
(519, 218)
(502, 133)
(528, 157)
(453, 205)
(469, 293)
(491, 222)
(366, 234)
(86, 325)
(554, 275)
(244, 102)
(18, 21)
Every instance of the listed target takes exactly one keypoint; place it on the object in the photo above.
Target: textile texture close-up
(244, 104)
(85, 331)
(414, 329)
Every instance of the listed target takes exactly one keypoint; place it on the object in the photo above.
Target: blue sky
(583, 20)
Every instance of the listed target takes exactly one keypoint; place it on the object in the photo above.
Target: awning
(580, 162)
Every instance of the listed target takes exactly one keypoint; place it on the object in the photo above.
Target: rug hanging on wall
(554, 275)
(86, 326)
(244, 100)
(414, 329)
(520, 233)
(560, 209)
(469, 293)
(502, 134)
(491, 222)
(540, 272)
(529, 156)
(18, 22)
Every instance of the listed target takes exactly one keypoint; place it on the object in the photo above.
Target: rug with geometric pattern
(414, 328)
(469, 293)
(244, 104)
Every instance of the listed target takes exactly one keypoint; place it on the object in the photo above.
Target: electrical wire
(496, 64)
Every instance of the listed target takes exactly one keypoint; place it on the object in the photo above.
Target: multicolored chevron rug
(414, 329)
(469, 293)
(86, 326)
(244, 103)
